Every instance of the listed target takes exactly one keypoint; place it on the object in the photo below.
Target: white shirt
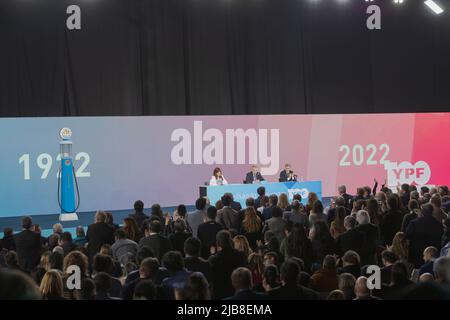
(217, 182)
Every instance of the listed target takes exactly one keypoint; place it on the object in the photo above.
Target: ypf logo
(405, 172)
(302, 192)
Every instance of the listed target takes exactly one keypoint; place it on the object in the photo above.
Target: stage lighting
(434, 6)
(398, 1)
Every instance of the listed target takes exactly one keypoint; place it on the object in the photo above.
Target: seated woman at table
(217, 179)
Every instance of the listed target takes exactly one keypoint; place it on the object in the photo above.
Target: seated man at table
(254, 176)
(287, 174)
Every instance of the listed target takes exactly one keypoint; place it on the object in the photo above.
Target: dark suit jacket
(372, 237)
(177, 240)
(293, 292)
(229, 218)
(28, 248)
(196, 264)
(236, 206)
(139, 218)
(223, 264)
(207, 234)
(249, 177)
(158, 243)
(351, 240)
(248, 295)
(97, 235)
(284, 177)
(423, 232)
(390, 225)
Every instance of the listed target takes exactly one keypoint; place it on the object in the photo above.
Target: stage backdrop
(165, 159)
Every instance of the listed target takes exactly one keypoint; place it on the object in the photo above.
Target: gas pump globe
(67, 179)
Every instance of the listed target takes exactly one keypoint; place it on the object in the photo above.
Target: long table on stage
(243, 191)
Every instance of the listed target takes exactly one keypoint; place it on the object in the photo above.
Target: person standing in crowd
(261, 193)
(227, 216)
(28, 246)
(296, 244)
(267, 211)
(197, 217)
(131, 229)
(251, 227)
(276, 224)
(179, 236)
(207, 231)
(154, 238)
(351, 239)
(372, 236)
(297, 215)
(342, 190)
(192, 261)
(139, 216)
(123, 248)
(392, 220)
(217, 179)
(98, 234)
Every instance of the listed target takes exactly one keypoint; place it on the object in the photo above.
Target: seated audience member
(192, 261)
(104, 264)
(197, 217)
(227, 216)
(254, 176)
(297, 215)
(430, 254)
(351, 239)
(98, 234)
(148, 271)
(351, 264)
(139, 216)
(145, 290)
(337, 225)
(276, 223)
(346, 284)
(297, 244)
(399, 284)
(87, 290)
(290, 289)
(123, 248)
(28, 246)
(371, 233)
(392, 220)
(196, 288)
(251, 227)
(132, 230)
(423, 232)
(173, 262)
(325, 279)
(66, 242)
(316, 213)
(117, 268)
(261, 193)
(362, 292)
(223, 263)
(103, 285)
(80, 239)
(336, 295)
(51, 287)
(322, 243)
(241, 279)
(207, 231)
(179, 236)
(267, 211)
(16, 285)
(154, 238)
(7, 242)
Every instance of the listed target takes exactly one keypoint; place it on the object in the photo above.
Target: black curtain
(182, 57)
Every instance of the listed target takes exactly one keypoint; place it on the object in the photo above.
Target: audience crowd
(271, 249)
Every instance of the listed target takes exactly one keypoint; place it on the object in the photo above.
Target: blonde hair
(283, 201)
(45, 260)
(251, 222)
(241, 244)
(400, 245)
(51, 285)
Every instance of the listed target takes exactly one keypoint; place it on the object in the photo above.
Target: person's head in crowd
(145, 290)
(413, 205)
(56, 261)
(312, 197)
(360, 192)
(156, 211)
(152, 227)
(103, 263)
(393, 203)
(148, 268)
(120, 234)
(261, 191)
(53, 240)
(268, 235)
(144, 252)
(433, 190)
(346, 282)
(361, 289)
(79, 231)
(283, 201)
(211, 213)
(103, 282)
(427, 210)
(16, 285)
(425, 198)
(400, 245)
(44, 262)
(7, 232)
(367, 191)
(197, 287)
(173, 261)
(362, 217)
(87, 290)
(426, 277)
(37, 228)
(349, 222)
(200, 204)
(399, 273)
(381, 197)
(241, 244)
(277, 212)
(414, 195)
(317, 207)
(351, 258)
(27, 223)
(342, 189)
(273, 200)
(271, 277)
(59, 250)
(412, 188)
(320, 232)
(265, 202)
(223, 240)
(179, 226)
(251, 222)
(436, 201)
(109, 218)
(340, 201)
(256, 263)
(336, 295)
(441, 269)
(329, 262)
(66, 237)
(226, 200)
(373, 207)
(443, 191)
(304, 279)
(100, 217)
(241, 279)
(270, 258)
(289, 273)
(358, 205)
(58, 228)
(299, 261)
(139, 206)
(230, 195)
(405, 188)
(219, 204)
(78, 259)
(11, 260)
(424, 190)
(430, 254)
(182, 210)
(192, 247)
(51, 287)
(388, 258)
